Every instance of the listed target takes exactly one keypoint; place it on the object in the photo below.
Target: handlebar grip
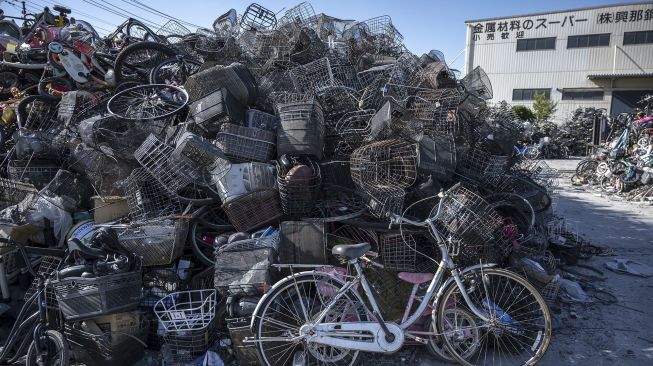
(455, 186)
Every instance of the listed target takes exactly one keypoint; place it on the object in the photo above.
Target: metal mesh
(186, 346)
(385, 164)
(312, 76)
(244, 144)
(47, 266)
(36, 172)
(353, 129)
(257, 17)
(155, 156)
(480, 163)
(156, 242)
(438, 107)
(299, 192)
(399, 252)
(301, 130)
(262, 120)
(301, 14)
(473, 228)
(186, 310)
(147, 198)
(13, 192)
(254, 210)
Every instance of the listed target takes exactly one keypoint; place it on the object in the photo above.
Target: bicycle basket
(186, 310)
(156, 242)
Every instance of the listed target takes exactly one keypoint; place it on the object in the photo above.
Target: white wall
(562, 68)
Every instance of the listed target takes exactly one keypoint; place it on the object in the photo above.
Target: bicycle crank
(362, 336)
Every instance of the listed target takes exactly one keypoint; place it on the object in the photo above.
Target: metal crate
(36, 172)
(254, 210)
(157, 242)
(245, 144)
(13, 192)
(298, 193)
(147, 198)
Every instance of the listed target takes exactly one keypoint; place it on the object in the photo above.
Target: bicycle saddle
(351, 251)
(61, 9)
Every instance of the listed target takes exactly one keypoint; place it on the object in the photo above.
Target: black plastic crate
(246, 353)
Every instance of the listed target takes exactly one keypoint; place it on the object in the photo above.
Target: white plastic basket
(186, 310)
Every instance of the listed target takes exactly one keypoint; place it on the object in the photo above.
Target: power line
(159, 13)
(80, 12)
(145, 20)
(112, 11)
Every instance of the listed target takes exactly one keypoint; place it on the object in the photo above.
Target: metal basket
(254, 210)
(298, 193)
(156, 242)
(310, 77)
(244, 144)
(473, 228)
(480, 163)
(438, 108)
(13, 192)
(384, 164)
(244, 268)
(300, 14)
(245, 178)
(257, 17)
(262, 120)
(353, 129)
(147, 198)
(399, 252)
(47, 266)
(184, 347)
(301, 131)
(186, 310)
(81, 298)
(156, 157)
(239, 329)
(36, 172)
(206, 160)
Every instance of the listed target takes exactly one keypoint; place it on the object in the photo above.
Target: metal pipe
(19, 65)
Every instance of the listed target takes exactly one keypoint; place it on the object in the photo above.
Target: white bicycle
(481, 315)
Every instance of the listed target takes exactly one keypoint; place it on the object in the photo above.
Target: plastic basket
(186, 310)
(81, 298)
(156, 242)
(244, 144)
(239, 329)
(301, 130)
(254, 210)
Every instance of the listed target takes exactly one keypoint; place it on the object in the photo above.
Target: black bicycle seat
(351, 251)
(61, 9)
(75, 245)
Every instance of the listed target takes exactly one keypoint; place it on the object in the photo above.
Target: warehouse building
(598, 57)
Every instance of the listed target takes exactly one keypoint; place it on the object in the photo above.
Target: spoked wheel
(137, 60)
(148, 102)
(518, 329)
(174, 71)
(468, 341)
(54, 351)
(283, 317)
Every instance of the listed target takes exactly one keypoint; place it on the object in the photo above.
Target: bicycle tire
(8, 80)
(57, 340)
(502, 322)
(46, 94)
(170, 99)
(156, 53)
(287, 287)
(155, 77)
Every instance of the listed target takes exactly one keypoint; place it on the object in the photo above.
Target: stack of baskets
(188, 318)
(299, 186)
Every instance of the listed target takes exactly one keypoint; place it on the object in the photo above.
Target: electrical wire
(112, 11)
(132, 15)
(43, 3)
(160, 13)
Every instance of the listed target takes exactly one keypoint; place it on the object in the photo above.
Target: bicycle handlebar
(397, 219)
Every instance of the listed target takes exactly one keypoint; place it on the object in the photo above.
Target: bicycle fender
(450, 280)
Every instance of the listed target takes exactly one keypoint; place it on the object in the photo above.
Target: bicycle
(481, 313)
(529, 152)
(37, 331)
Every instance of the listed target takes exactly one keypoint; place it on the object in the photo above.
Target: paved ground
(620, 333)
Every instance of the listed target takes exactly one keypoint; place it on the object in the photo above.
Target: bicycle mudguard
(450, 280)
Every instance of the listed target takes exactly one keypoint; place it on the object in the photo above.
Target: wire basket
(239, 329)
(298, 192)
(245, 178)
(206, 161)
(244, 144)
(384, 200)
(13, 192)
(254, 210)
(257, 17)
(186, 310)
(298, 15)
(384, 164)
(36, 172)
(301, 131)
(473, 228)
(312, 76)
(155, 156)
(399, 252)
(353, 129)
(244, 269)
(262, 120)
(480, 163)
(48, 265)
(184, 347)
(81, 298)
(147, 198)
(438, 107)
(156, 242)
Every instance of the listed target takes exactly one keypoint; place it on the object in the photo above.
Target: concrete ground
(606, 334)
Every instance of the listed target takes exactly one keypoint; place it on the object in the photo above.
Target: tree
(543, 107)
(523, 113)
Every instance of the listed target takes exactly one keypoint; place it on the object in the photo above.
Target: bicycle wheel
(531, 153)
(295, 303)
(137, 60)
(435, 344)
(517, 332)
(54, 351)
(174, 71)
(8, 80)
(205, 228)
(148, 102)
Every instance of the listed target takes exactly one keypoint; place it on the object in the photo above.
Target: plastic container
(157, 242)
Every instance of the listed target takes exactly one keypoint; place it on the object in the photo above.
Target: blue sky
(425, 24)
